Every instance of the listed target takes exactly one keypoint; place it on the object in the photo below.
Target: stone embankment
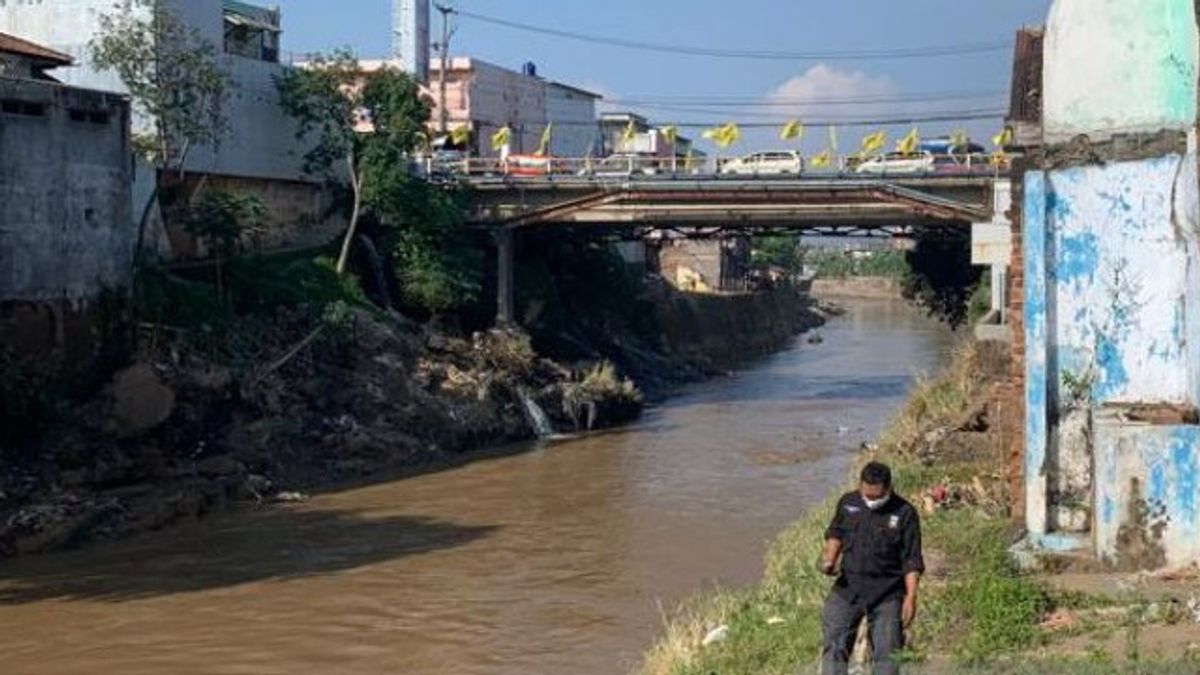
(192, 428)
(870, 288)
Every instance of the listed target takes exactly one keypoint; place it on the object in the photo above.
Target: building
(705, 265)
(1109, 215)
(484, 98)
(645, 140)
(259, 155)
(66, 231)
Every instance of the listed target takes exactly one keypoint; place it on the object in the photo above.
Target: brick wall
(1014, 391)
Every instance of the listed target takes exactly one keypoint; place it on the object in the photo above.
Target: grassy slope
(977, 611)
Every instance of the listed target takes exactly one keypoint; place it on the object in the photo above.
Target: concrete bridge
(713, 206)
(853, 206)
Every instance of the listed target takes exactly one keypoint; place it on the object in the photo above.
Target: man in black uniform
(878, 537)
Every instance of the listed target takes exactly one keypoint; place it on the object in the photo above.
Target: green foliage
(173, 77)
(436, 269)
(979, 304)
(220, 219)
(257, 286)
(830, 264)
(942, 277)
(779, 251)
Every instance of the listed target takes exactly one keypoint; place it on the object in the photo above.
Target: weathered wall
(65, 227)
(262, 140)
(1111, 294)
(1147, 490)
(576, 133)
(1119, 65)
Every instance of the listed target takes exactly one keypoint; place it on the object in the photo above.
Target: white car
(778, 163)
(896, 163)
(621, 166)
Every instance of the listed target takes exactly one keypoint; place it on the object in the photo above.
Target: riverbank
(876, 288)
(978, 612)
(276, 409)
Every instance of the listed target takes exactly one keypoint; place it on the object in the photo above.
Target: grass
(975, 608)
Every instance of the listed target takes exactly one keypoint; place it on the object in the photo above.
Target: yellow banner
(822, 160)
(671, 133)
(725, 135)
(501, 139)
(873, 143)
(460, 135)
(547, 135)
(909, 144)
(792, 130)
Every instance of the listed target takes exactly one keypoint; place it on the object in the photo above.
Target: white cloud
(826, 83)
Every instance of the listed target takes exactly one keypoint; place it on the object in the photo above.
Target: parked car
(621, 166)
(775, 163)
(897, 163)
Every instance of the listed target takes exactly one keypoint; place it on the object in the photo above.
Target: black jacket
(879, 548)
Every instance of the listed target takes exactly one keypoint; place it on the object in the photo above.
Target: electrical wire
(734, 102)
(889, 54)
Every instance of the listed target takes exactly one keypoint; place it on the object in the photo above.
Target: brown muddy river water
(554, 562)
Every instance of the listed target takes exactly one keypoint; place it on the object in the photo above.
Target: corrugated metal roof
(12, 44)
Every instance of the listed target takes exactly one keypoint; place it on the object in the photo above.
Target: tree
(220, 219)
(364, 123)
(174, 81)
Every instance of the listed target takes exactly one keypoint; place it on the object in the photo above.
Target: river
(555, 561)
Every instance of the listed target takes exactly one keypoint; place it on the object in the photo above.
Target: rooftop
(46, 57)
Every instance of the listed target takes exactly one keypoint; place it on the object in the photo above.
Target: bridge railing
(631, 167)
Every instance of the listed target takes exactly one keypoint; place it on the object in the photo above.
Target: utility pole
(444, 47)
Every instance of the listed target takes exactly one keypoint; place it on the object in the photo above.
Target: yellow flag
(671, 133)
(959, 139)
(822, 160)
(792, 130)
(998, 159)
(873, 143)
(909, 144)
(460, 135)
(1004, 138)
(544, 145)
(724, 135)
(501, 139)
(630, 132)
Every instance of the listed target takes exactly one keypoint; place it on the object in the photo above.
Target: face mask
(876, 504)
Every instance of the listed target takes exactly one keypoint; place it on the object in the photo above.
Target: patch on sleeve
(852, 509)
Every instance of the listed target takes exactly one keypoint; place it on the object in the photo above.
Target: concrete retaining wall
(875, 288)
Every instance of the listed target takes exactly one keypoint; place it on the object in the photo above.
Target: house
(705, 265)
(66, 231)
(259, 155)
(485, 98)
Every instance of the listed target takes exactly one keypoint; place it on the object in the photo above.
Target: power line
(720, 101)
(891, 54)
(924, 118)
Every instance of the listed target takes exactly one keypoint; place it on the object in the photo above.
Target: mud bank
(284, 409)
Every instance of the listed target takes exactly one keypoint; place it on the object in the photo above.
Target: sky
(824, 27)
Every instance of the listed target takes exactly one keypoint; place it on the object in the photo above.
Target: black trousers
(840, 620)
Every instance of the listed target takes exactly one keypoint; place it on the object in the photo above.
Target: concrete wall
(1147, 489)
(1111, 293)
(262, 141)
(1119, 65)
(66, 232)
(576, 133)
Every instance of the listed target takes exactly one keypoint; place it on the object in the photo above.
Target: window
(10, 106)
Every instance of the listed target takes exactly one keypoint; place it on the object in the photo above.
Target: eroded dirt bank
(277, 411)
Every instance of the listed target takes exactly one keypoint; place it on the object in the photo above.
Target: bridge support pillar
(506, 304)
